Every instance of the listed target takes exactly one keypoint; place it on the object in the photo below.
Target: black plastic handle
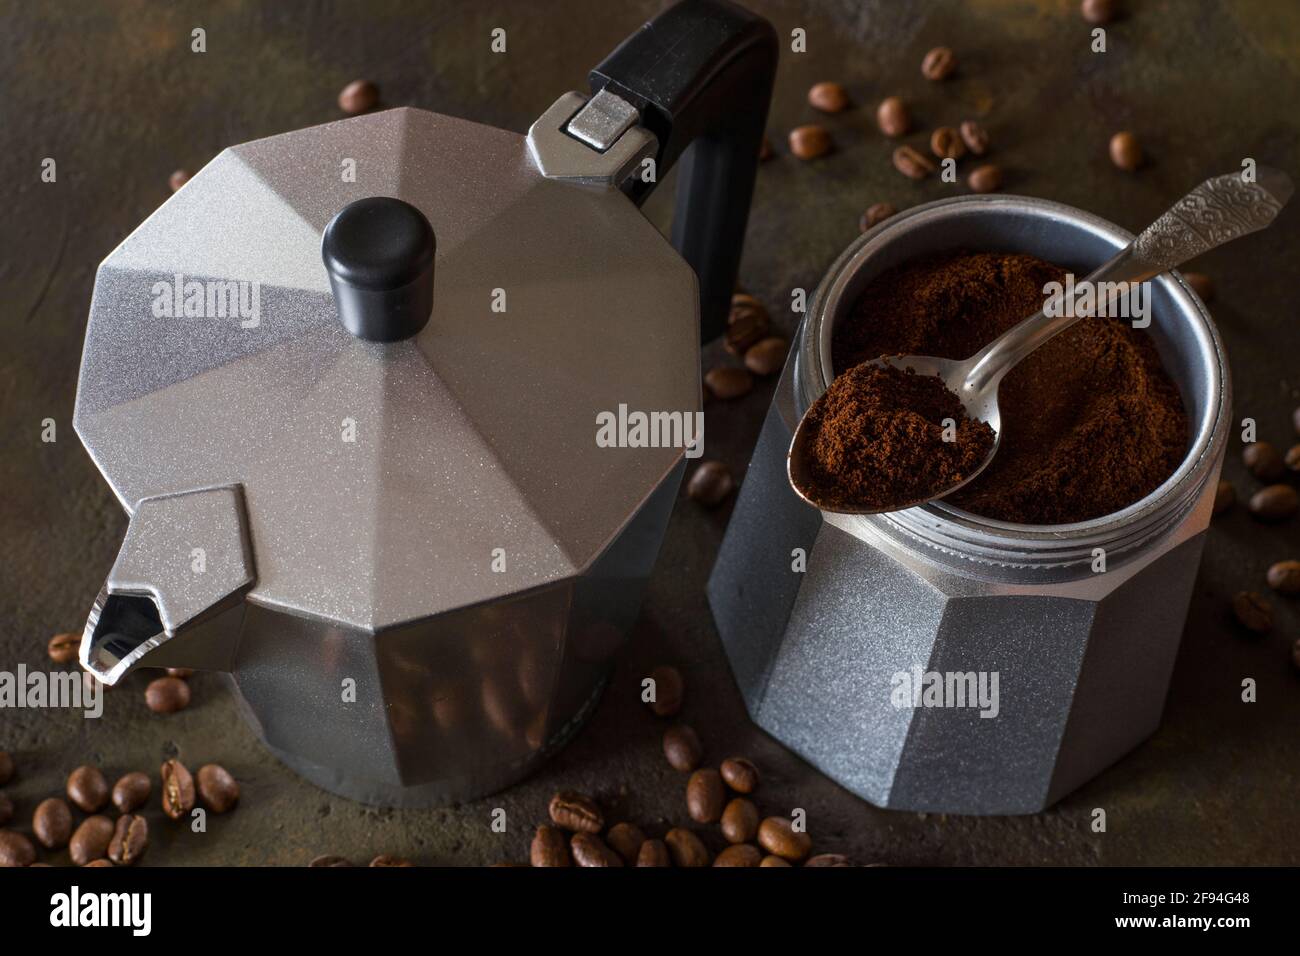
(701, 74)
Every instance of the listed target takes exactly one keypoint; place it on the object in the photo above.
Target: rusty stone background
(113, 93)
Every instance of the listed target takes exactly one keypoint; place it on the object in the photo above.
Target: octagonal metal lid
(388, 482)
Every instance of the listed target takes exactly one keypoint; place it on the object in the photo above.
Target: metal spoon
(1214, 213)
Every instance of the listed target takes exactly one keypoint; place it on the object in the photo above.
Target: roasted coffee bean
(1253, 612)
(52, 823)
(705, 796)
(653, 853)
(828, 859)
(774, 861)
(710, 484)
(388, 860)
(576, 811)
(1284, 577)
(1263, 460)
(16, 849)
(946, 143)
(102, 861)
(218, 790)
(740, 821)
(63, 648)
(88, 789)
(669, 690)
(1201, 284)
(358, 96)
(330, 859)
(184, 673)
(91, 839)
(912, 163)
(178, 179)
(625, 839)
(1292, 458)
(1274, 503)
(767, 357)
(6, 809)
(682, 748)
(892, 117)
(1125, 152)
(765, 150)
(727, 382)
(974, 136)
(747, 324)
(1098, 11)
(132, 791)
(590, 850)
(6, 767)
(939, 64)
(177, 789)
(828, 97)
(549, 848)
(810, 142)
(742, 854)
(166, 695)
(778, 836)
(985, 179)
(686, 848)
(130, 839)
(875, 214)
(740, 774)
(1224, 497)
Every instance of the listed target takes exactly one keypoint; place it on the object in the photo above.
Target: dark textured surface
(113, 94)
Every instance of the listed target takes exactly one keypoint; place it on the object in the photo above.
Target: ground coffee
(1091, 421)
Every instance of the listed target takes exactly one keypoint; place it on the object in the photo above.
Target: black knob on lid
(379, 256)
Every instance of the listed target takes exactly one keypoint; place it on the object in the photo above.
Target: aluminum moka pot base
(1083, 660)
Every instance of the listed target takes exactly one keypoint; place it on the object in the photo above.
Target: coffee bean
(177, 789)
(102, 861)
(765, 150)
(6, 809)
(178, 179)
(985, 179)
(778, 836)
(1263, 460)
(682, 748)
(625, 839)
(1284, 577)
(549, 848)
(705, 796)
(1098, 11)
(63, 648)
(16, 849)
(669, 690)
(166, 695)
(654, 853)
(1253, 612)
(892, 117)
(810, 142)
(767, 357)
(184, 673)
(6, 767)
(974, 136)
(90, 841)
(217, 788)
(828, 859)
(576, 811)
(132, 791)
(1274, 503)
(685, 848)
(911, 163)
(876, 214)
(590, 850)
(130, 839)
(1201, 284)
(88, 789)
(1292, 458)
(1295, 420)
(1224, 497)
(740, 821)
(742, 854)
(710, 484)
(727, 382)
(740, 774)
(747, 324)
(774, 861)
(938, 64)
(1125, 151)
(358, 96)
(828, 97)
(946, 143)
(388, 860)
(329, 859)
(52, 823)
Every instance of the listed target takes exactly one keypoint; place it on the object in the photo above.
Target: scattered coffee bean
(88, 789)
(768, 356)
(90, 841)
(682, 748)
(177, 789)
(740, 774)
(828, 859)
(685, 848)
(1125, 151)
(166, 695)
(747, 324)
(1292, 458)
(1253, 612)
(1224, 497)
(828, 97)
(912, 163)
(63, 648)
(1263, 460)
(52, 823)
(985, 179)
(184, 673)
(1201, 284)
(946, 143)
(974, 136)
(876, 214)
(549, 848)
(6, 809)
(810, 142)
(741, 854)
(670, 690)
(710, 483)
(653, 853)
(218, 790)
(16, 849)
(130, 840)
(778, 836)
(765, 150)
(6, 767)
(132, 791)
(388, 860)
(1274, 503)
(102, 861)
(358, 97)
(727, 382)
(740, 821)
(1284, 577)
(330, 859)
(774, 861)
(892, 117)
(577, 812)
(705, 796)
(178, 179)
(590, 850)
(625, 839)
(939, 64)
(1098, 11)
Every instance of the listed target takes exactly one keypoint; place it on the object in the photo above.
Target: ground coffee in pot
(1091, 421)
